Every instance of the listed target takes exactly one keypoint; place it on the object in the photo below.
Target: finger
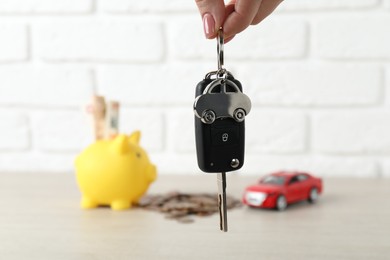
(229, 39)
(241, 17)
(266, 8)
(213, 15)
(229, 8)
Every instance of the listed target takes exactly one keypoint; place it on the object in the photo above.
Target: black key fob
(220, 108)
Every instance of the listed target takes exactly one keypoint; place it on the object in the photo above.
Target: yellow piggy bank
(114, 172)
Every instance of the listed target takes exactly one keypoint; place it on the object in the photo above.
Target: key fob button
(225, 137)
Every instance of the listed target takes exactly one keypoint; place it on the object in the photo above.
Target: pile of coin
(181, 206)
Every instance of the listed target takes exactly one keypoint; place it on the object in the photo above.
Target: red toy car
(279, 189)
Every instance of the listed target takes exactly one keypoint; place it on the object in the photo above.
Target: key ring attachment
(220, 43)
(221, 72)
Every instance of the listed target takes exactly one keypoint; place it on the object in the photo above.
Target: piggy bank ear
(135, 137)
(120, 145)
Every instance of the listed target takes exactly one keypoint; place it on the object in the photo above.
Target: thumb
(213, 14)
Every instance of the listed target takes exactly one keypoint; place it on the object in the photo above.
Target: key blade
(221, 181)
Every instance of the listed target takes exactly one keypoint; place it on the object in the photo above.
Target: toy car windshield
(273, 180)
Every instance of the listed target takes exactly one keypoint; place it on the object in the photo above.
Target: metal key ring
(220, 43)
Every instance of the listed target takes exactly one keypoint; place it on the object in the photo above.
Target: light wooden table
(40, 218)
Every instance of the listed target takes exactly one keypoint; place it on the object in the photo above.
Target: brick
(341, 37)
(60, 131)
(44, 86)
(36, 162)
(311, 84)
(13, 42)
(321, 5)
(274, 39)
(275, 132)
(131, 6)
(149, 121)
(14, 131)
(181, 130)
(186, 39)
(146, 84)
(352, 132)
(257, 42)
(45, 6)
(323, 166)
(108, 41)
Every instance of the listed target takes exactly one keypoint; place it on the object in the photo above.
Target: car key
(220, 108)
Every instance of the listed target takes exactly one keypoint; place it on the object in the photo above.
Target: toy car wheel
(208, 117)
(313, 195)
(281, 203)
(239, 114)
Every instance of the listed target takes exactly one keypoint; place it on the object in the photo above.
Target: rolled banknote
(112, 119)
(96, 109)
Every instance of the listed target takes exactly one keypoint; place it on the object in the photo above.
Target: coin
(181, 206)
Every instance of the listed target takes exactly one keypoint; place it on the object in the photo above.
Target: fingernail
(208, 25)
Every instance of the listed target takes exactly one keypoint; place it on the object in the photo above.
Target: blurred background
(317, 71)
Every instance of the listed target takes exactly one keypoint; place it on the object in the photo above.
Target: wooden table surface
(40, 218)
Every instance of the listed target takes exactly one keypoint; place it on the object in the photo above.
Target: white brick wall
(47, 86)
(131, 6)
(258, 43)
(150, 121)
(276, 132)
(95, 41)
(352, 132)
(165, 84)
(321, 5)
(318, 74)
(45, 6)
(60, 131)
(312, 83)
(13, 44)
(347, 37)
(14, 131)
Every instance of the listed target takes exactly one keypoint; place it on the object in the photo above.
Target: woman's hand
(233, 17)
